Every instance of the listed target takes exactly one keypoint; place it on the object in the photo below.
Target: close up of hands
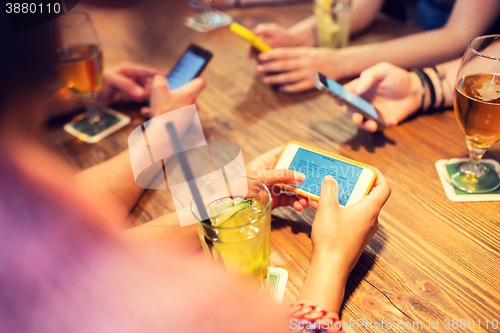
(295, 67)
(394, 91)
(343, 232)
(163, 99)
(261, 169)
(127, 82)
(274, 35)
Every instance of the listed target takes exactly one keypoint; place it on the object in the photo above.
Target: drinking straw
(188, 174)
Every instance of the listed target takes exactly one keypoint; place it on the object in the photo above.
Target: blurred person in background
(66, 266)
(449, 25)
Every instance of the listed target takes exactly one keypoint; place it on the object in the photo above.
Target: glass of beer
(79, 60)
(238, 236)
(477, 109)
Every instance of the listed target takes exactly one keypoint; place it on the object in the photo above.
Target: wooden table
(432, 259)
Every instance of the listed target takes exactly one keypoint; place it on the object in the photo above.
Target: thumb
(329, 193)
(159, 90)
(283, 176)
(370, 77)
(190, 90)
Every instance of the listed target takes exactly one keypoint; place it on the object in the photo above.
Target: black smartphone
(355, 102)
(189, 66)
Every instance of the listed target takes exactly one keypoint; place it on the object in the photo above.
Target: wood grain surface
(432, 259)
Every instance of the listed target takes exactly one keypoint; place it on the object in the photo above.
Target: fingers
(139, 71)
(296, 87)
(263, 28)
(298, 203)
(380, 192)
(282, 65)
(369, 125)
(127, 86)
(357, 118)
(283, 52)
(282, 176)
(146, 111)
(329, 193)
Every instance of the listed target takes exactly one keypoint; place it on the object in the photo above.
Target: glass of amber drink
(238, 236)
(477, 110)
(79, 60)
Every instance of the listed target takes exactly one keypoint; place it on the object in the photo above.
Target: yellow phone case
(324, 152)
(250, 37)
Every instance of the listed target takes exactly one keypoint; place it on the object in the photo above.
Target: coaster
(92, 129)
(460, 196)
(277, 283)
(201, 23)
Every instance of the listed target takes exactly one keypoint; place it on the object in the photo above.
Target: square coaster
(218, 20)
(277, 283)
(460, 196)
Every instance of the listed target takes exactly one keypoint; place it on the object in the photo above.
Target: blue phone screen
(316, 166)
(354, 99)
(186, 70)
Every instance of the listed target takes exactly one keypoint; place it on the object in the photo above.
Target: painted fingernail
(299, 177)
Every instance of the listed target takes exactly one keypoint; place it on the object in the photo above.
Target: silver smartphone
(355, 102)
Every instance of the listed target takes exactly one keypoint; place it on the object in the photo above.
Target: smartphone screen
(354, 99)
(316, 166)
(186, 69)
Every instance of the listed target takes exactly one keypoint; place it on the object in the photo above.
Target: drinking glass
(79, 61)
(238, 236)
(477, 109)
(333, 21)
(209, 19)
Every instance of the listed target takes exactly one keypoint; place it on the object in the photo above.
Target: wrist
(335, 260)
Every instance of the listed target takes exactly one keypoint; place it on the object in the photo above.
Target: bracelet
(441, 79)
(431, 90)
(421, 77)
(314, 318)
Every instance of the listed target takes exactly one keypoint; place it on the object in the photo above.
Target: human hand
(127, 82)
(163, 99)
(343, 232)
(297, 66)
(273, 34)
(261, 169)
(394, 91)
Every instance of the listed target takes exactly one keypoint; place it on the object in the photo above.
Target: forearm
(363, 13)
(166, 230)
(325, 282)
(113, 178)
(418, 50)
(302, 33)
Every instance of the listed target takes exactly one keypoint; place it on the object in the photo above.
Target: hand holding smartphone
(189, 66)
(352, 100)
(250, 37)
(355, 179)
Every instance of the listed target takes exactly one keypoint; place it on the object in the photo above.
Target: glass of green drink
(238, 237)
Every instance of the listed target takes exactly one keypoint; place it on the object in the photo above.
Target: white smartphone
(355, 102)
(355, 179)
